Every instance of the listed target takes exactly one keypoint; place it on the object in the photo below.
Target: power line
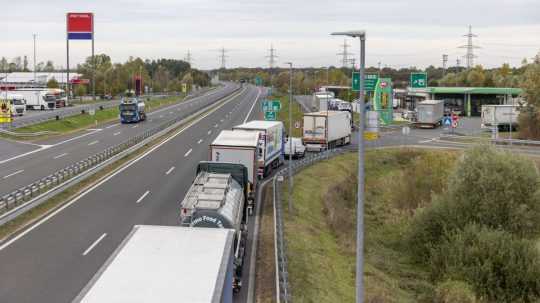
(345, 53)
(470, 56)
(272, 57)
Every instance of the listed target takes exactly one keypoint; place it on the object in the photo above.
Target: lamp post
(290, 138)
(361, 177)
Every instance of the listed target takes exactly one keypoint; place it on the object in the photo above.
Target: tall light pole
(361, 177)
(34, 35)
(290, 138)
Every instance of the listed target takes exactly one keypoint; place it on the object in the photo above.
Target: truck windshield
(128, 107)
(17, 102)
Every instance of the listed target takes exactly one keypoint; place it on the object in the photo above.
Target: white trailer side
(166, 264)
(500, 115)
(327, 129)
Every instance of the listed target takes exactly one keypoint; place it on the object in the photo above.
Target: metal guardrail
(14, 203)
(283, 291)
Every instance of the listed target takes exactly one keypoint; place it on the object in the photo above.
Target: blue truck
(132, 110)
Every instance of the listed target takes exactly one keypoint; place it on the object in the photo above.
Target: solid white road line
(253, 106)
(117, 133)
(170, 170)
(188, 152)
(128, 165)
(26, 154)
(94, 245)
(427, 141)
(60, 156)
(143, 196)
(200, 141)
(111, 126)
(93, 142)
(13, 174)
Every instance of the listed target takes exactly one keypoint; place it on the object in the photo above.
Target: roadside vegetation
(283, 115)
(78, 122)
(440, 226)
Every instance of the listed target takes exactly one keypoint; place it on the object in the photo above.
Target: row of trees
(20, 64)
(163, 75)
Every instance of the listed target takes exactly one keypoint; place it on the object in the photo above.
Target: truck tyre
(42, 107)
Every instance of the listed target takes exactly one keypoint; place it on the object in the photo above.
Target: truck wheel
(42, 107)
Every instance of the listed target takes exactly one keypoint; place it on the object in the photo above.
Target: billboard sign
(80, 26)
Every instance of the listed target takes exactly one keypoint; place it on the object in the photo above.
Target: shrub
(500, 266)
(488, 188)
(454, 292)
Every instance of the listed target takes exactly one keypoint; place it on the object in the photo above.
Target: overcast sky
(400, 33)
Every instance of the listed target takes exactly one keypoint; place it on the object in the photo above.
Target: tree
(52, 83)
(476, 77)
(49, 66)
(25, 64)
(80, 90)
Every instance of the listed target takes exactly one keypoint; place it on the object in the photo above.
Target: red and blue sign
(80, 26)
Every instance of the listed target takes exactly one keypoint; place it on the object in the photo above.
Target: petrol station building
(466, 101)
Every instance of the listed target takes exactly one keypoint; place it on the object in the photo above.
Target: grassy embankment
(283, 114)
(321, 234)
(82, 121)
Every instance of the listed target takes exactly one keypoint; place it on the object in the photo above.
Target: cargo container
(501, 116)
(429, 113)
(326, 129)
(166, 264)
(271, 141)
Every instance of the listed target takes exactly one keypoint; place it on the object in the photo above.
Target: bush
(488, 188)
(454, 292)
(529, 123)
(500, 266)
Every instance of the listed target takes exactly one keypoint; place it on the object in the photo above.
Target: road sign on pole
(271, 105)
(447, 121)
(270, 116)
(369, 84)
(418, 80)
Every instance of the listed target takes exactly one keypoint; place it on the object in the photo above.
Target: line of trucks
(202, 259)
(23, 99)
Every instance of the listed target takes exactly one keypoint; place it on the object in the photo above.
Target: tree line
(20, 64)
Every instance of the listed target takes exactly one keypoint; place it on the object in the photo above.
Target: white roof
(237, 138)
(41, 77)
(326, 113)
(163, 264)
(259, 124)
(431, 102)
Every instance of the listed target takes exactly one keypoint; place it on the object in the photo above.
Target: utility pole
(271, 63)
(290, 139)
(470, 56)
(223, 57)
(379, 66)
(345, 53)
(34, 35)
(188, 57)
(444, 61)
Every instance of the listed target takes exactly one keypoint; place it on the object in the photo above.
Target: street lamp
(290, 138)
(360, 203)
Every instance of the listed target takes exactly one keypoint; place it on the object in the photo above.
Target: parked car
(298, 148)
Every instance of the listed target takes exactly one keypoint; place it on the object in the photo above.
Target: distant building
(26, 79)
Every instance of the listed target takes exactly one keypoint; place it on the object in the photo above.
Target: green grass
(78, 122)
(283, 115)
(321, 233)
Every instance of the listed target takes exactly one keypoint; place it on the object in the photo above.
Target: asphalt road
(22, 163)
(55, 258)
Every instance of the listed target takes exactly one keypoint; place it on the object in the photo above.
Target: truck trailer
(132, 110)
(326, 129)
(166, 264)
(240, 147)
(500, 116)
(37, 98)
(272, 137)
(217, 199)
(429, 113)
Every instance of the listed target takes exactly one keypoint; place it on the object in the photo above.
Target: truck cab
(132, 110)
(17, 103)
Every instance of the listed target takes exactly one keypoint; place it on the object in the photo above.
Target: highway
(54, 259)
(22, 163)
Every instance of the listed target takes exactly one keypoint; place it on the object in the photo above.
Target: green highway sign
(258, 81)
(369, 84)
(271, 106)
(270, 116)
(418, 80)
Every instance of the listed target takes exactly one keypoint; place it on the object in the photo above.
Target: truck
(320, 100)
(166, 264)
(326, 129)
(240, 147)
(218, 199)
(132, 110)
(37, 98)
(17, 103)
(501, 116)
(272, 136)
(294, 149)
(429, 113)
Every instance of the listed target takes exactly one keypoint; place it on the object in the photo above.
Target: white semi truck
(501, 116)
(271, 141)
(429, 113)
(326, 129)
(38, 98)
(166, 264)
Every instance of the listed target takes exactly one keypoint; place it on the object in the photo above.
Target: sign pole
(67, 61)
(93, 64)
